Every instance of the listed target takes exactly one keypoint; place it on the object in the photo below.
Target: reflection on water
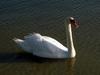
(39, 66)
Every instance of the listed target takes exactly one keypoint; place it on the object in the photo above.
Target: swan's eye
(73, 22)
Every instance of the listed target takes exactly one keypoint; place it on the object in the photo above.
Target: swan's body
(47, 47)
(43, 46)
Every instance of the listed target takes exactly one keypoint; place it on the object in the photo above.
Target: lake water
(21, 17)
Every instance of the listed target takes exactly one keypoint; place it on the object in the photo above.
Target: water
(19, 18)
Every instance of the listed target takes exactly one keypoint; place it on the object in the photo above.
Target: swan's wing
(37, 45)
(54, 42)
(53, 49)
(33, 40)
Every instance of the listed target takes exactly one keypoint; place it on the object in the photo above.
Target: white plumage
(42, 46)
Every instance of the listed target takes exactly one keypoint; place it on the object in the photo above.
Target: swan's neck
(70, 43)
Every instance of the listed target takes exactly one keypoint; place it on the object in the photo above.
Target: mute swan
(47, 47)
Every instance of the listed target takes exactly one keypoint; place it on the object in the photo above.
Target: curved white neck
(70, 43)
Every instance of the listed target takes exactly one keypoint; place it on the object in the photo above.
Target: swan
(47, 47)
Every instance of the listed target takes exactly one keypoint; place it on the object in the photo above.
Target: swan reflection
(55, 67)
(36, 65)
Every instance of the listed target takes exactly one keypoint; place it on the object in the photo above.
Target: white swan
(48, 47)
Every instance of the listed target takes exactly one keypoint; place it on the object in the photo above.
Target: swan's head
(73, 22)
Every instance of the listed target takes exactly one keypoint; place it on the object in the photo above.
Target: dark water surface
(21, 17)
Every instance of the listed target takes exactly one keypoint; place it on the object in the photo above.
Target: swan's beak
(73, 22)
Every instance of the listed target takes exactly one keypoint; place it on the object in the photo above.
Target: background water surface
(21, 17)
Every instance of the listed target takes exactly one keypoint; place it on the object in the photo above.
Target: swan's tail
(24, 45)
(18, 41)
